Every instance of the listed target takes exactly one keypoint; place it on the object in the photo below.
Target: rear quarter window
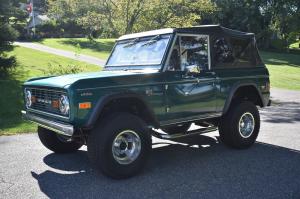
(234, 53)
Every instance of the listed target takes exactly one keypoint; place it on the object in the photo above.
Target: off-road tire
(52, 142)
(100, 142)
(229, 125)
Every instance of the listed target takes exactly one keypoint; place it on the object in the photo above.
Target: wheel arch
(247, 91)
(127, 102)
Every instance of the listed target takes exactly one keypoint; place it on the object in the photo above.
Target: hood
(66, 80)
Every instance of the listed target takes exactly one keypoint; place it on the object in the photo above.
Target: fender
(108, 98)
(234, 88)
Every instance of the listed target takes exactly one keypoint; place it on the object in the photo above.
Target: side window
(243, 52)
(233, 52)
(194, 51)
(223, 53)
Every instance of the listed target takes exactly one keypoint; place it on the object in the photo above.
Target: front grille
(46, 100)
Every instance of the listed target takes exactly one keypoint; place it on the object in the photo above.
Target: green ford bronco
(154, 83)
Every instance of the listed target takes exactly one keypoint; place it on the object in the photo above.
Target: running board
(180, 135)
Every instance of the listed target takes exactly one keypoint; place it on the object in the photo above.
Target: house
(38, 19)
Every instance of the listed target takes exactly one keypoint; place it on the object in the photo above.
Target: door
(190, 89)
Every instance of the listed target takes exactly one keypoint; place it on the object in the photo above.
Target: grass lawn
(284, 69)
(31, 63)
(100, 48)
(295, 45)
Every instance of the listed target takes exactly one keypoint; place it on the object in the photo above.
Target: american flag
(29, 8)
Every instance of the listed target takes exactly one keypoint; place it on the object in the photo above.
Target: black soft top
(203, 29)
(214, 29)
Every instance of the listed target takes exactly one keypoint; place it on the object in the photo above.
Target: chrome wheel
(246, 125)
(126, 147)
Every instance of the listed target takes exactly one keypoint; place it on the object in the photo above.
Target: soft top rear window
(230, 52)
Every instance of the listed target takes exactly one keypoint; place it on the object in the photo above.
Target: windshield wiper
(133, 42)
(152, 40)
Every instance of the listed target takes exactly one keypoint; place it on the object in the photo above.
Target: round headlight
(28, 98)
(64, 105)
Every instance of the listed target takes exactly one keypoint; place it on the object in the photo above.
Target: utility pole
(33, 19)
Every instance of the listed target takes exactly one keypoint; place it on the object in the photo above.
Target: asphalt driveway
(195, 167)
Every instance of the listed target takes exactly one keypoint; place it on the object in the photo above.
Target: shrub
(62, 70)
(7, 35)
(49, 29)
(7, 64)
(278, 44)
(293, 39)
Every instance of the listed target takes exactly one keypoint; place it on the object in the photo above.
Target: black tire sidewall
(101, 139)
(230, 128)
(51, 141)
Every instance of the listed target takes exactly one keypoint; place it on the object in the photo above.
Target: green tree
(122, 15)
(269, 19)
(10, 16)
(243, 15)
(174, 13)
(284, 17)
(92, 22)
(117, 17)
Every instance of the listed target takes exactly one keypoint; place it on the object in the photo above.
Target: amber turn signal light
(55, 104)
(85, 105)
(33, 99)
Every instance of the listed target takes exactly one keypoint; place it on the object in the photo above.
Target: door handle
(211, 72)
(185, 76)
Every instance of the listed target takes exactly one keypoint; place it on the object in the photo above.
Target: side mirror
(192, 69)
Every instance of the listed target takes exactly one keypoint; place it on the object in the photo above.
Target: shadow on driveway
(281, 112)
(191, 168)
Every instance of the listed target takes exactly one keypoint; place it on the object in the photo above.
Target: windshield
(139, 51)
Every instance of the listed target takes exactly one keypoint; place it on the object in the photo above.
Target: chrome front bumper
(64, 129)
